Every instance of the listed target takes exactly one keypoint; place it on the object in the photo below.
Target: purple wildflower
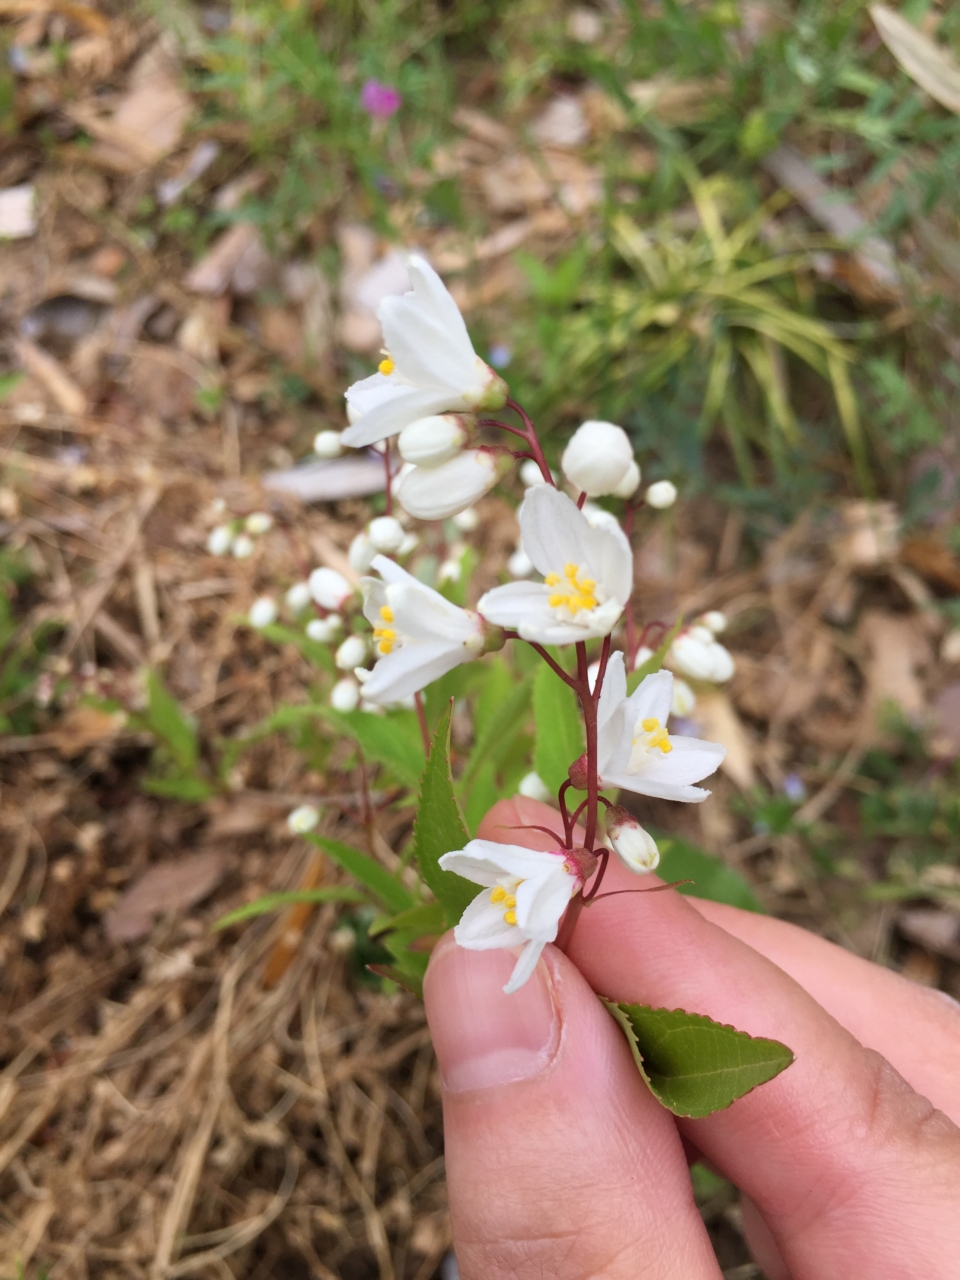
(379, 100)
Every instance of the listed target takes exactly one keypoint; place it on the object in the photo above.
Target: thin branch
(567, 679)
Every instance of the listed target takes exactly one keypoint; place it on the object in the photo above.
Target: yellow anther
(656, 735)
(510, 901)
(649, 725)
(578, 593)
(386, 638)
(497, 893)
(570, 570)
(386, 366)
(552, 579)
(510, 917)
(386, 613)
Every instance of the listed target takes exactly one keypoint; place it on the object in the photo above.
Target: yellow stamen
(497, 893)
(386, 613)
(386, 366)
(510, 901)
(579, 593)
(656, 735)
(510, 917)
(386, 638)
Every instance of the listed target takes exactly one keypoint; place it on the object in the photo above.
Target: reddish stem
(581, 500)
(422, 717)
(389, 477)
(574, 684)
(588, 702)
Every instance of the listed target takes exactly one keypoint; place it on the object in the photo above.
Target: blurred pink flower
(379, 100)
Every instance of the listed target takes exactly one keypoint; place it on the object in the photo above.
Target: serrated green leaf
(410, 982)
(392, 739)
(711, 878)
(427, 917)
(384, 886)
(173, 726)
(693, 1065)
(440, 828)
(271, 901)
(497, 723)
(559, 728)
(656, 659)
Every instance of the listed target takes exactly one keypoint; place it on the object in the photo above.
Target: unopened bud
(351, 653)
(298, 597)
(533, 787)
(436, 493)
(715, 620)
(683, 699)
(323, 630)
(327, 444)
(258, 522)
(345, 695)
(386, 534)
(361, 553)
(630, 483)
(263, 612)
(218, 543)
(635, 846)
(430, 441)
(577, 773)
(661, 495)
(597, 458)
(329, 588)
(303, 819)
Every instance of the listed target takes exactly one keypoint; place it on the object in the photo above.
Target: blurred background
(731, 228)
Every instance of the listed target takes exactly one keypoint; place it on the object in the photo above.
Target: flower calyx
(577, 773)
(580, 862)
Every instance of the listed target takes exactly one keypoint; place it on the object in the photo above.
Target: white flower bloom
(241, 548)
(630, 483)
(430, 441)
(385, 534)
(449, 571)
(634, 750)
(345, 695)
(432, 367)
(519, 565)
(303, 819)
(715, 620)
(633, 844)
(258, 522)
(418, 635)
(435, 493)
(525, 893)
(530, 473)
(298, 597)
(330, 589)
(661, 495)
(597, 458)
(534, 788)
(697, 654)
(588, 574)
(218, 543)
(328, 444)
(263, 612)
(351, 653)
(324, 630)
(683, 700)
(468, 520)
(361, 553)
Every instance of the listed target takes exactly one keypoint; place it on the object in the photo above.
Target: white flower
(241, 548)
(303, 819)
(597, 458)
(588, 574)
(361, 553)
(698, 654)
(530, 473)
(683, 699)
(218, 543)
(330, 589)
(323, 630)
(418, 635)
(661, 495)
(258, 522)
(715, 621)
(298, 597)
(634, 750)
(519, 565)
(525, 893)
(432, 366)
(345, 695)
(633, 845)
(430, 441)
(385, 534)
(598, 517)
(534, 788)
(450, 571)
(468, 520)
(328, 444)
(435, 493)
(351, 653)
(263, 612)
(410, 543)
(630, 483)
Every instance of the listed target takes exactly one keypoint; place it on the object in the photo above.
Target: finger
(514, 821)
(854, 1173)
(559, 1162)
(917, 1029)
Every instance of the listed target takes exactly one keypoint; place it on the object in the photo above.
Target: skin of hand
(560, 1162)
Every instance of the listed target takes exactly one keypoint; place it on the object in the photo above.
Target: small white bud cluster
(697, 653)
(384, 535)
(236, 537)
(599, 461)
(303, 819)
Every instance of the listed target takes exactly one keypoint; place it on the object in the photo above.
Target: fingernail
(481, 1036)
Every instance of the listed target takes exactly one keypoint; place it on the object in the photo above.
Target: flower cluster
(237, 537)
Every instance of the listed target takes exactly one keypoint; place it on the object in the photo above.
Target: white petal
(651, 699)
(525, 966)
(393, 413)
(516, 602)
(477, 869)
(423, 614)
(374, 598)
(434, 493)
(410, 668)
(434, 294)
(589, 625)
(643, 785)
(514, 860)
(541, 903)
(482, 926)
(553, 531)
(690, 760)
(390, 571)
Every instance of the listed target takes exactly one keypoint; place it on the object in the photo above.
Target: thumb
(559, 1161)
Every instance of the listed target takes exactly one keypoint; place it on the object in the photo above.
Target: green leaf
(271, 901)
(484, 794)
(440, 828)
(183, 788)
(172, 725)
(711, 878)
(392, 739)
(426, 917)
(385, 886)
(559, 728)
(318, 655)
(498, 719)
(409, 981)
(693, 1065)
(656, 659)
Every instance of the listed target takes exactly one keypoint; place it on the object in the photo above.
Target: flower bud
(298, 597)
(386, 534)
(597, 458)
(436, 493)
(324, 630)
(467, 520)
(410, 543)
(361, 553)
(661, 495)
(635, 846)
(263, 612)
(534, 788)
(327, 444)
(692, 657)
(530, 473)
(493, 637)
(723, 664)
(303, 819)
(241, 548)
(682, 699)
(630, 483)
(352, 653)
(643, 655)
(577, 773)
(430, 441)
(598, 517)
(449, 571)
(519, 565)
(345, 695)
(330, 589)
(258, 522)
(715, 620)
(496, 393)
(218, 543)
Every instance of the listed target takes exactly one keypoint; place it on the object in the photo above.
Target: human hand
(560, 1162)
